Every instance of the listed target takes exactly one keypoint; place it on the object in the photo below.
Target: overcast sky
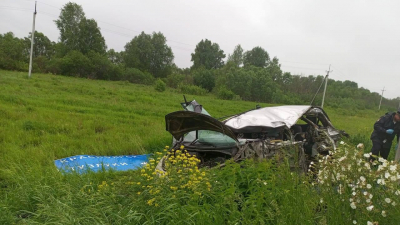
(360, 39)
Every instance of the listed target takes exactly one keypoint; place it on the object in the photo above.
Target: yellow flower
(150, 202)
(138, 183)
(139, 193)
(182, 147)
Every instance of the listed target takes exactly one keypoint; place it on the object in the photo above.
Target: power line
(302, 68)
(321, 64)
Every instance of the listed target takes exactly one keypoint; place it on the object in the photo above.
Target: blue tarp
(82, 163)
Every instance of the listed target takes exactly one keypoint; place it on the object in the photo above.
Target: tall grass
(49, 117)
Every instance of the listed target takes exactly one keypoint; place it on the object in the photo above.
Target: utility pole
(326, 83)
(383, 90)
(32, 38)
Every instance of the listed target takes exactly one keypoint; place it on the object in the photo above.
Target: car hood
(182, 122)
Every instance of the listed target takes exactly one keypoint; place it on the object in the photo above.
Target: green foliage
(207, 55)
(160, 85)
(12, 55)
(74, 64)
(149, 53)
(68, 25)
(78, 33)
(204, 79)
(237, 56)
(136, 76)
(256, 57)
(175, 79)
(90, 37)
(42, 47)
(366, 191)
(102, 68)
(115, 57)
(224, 93)
(192, 89)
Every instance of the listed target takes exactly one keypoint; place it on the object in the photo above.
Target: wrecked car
(296, 132)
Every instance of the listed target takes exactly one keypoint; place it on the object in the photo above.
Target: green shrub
(159, 85)
(74, 64)
(136, 76)
(173, 80)
(204, 79)
(192, 89)
(224, 93)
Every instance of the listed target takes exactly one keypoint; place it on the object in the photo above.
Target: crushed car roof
(272, 117)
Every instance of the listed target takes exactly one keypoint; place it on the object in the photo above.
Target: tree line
(81, 51)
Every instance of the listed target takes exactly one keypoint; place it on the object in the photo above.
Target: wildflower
(139, 193)
(321, 200)
(387, 175)
(369, 208)
(150, 202)
(369, 186)
(342, 142)
(353, 205)
(383, 213)
(369, 223)
(360, 145)
(362, 178)
(394, 203)
(354, 222)
(397, 192)
(388, 200)
(392, 167)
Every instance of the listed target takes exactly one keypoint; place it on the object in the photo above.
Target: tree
(149, 53)
(11, 53)
(77, 32)
(115, 57)
(68, 24)
(237, 56)
(256, 57)
(42, 45)
(207, 55)
(90, 38)
(204, 78)
(274, 69)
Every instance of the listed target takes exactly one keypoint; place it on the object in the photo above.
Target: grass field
(49, 117)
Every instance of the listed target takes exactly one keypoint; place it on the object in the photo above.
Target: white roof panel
(276, 116)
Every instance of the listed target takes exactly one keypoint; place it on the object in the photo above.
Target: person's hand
(389, 131)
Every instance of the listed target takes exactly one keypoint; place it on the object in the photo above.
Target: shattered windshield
(208, 137)
(205, 137)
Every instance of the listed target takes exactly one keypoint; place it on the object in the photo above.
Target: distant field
(49, 117)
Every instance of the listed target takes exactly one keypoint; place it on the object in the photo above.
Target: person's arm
(378, 126)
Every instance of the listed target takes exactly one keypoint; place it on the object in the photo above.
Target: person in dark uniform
(385, 129)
